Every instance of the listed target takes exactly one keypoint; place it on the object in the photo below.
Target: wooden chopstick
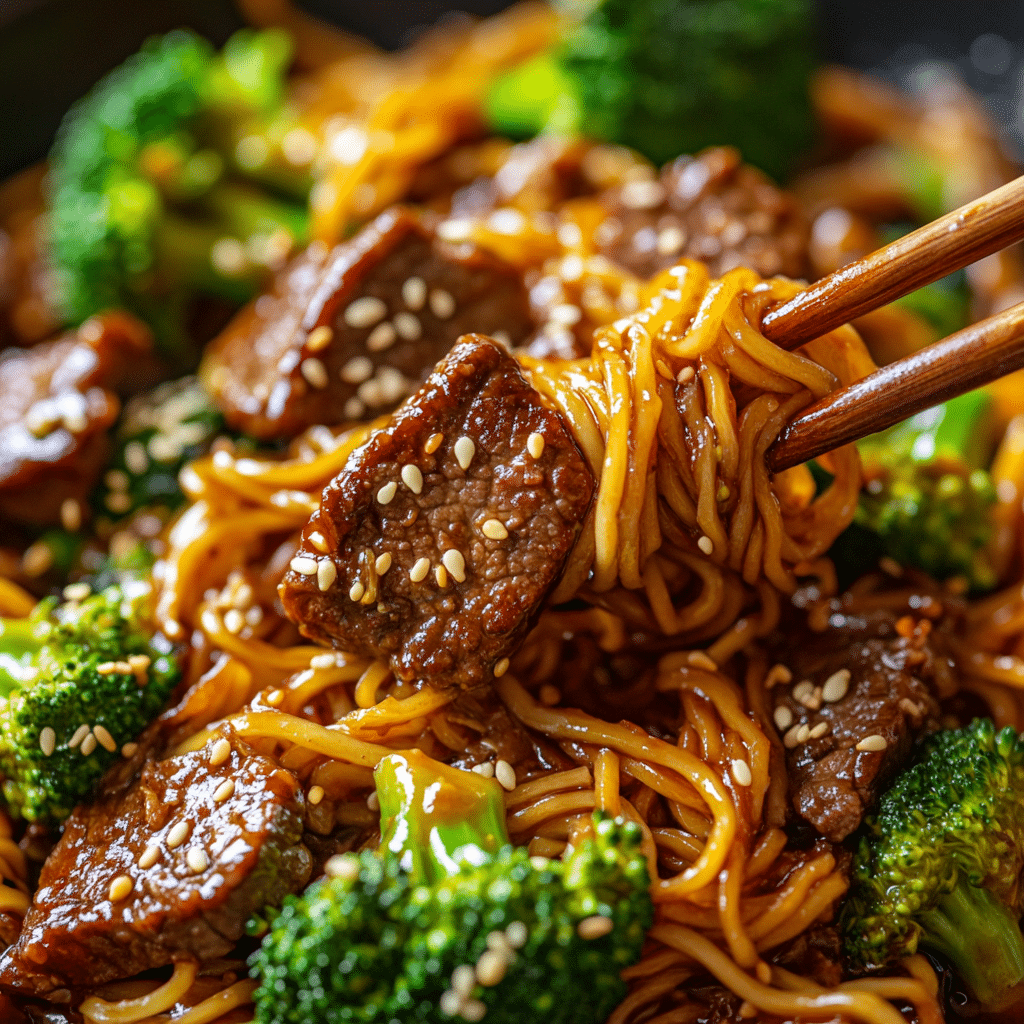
(974, 356)
(950, 243)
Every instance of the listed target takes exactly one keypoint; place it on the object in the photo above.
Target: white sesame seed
(803, 691)
(80, 733)
(408, 326)
(670, 240)
(319, 338)
(106, 741)
(433, 443)
(535, 445)
(506, 775)
(316, 794)
(224, 791)
(356, 591)
(494, 529)
(412, 478)
(234, 621)
(517, 933)
(323, 661)
(71, 515)
(120, 887)
(221, 752)
(129, 750)
(135, 457)
(463, 980)
(790, 740)
(783, 717)
(455, 563)
(414, 292)
(77, 591)
(354, 409)
(500, 668)
(803, 734)
(373, 801)
(47, 740)
(418, 573)
(873, 743)
(365, 312)
(149, 857)
(118, 502)
(381, 338)
(178, 835)
(819, 730)
(706, 545)
(88, 745)
(498, 942)
(595, 927)
(442, 303)
(642, 194)
(486, 769)
(356, 370)
(441, 576)
(835, 687)
(464, 449)
(318, 541)
(383, 563)
(326, 574)
(393, 383)
(343, 865)
(387, 493)
(741, 772)
(315, 372)
(492, 967)
(197, 860)
(473, 1010)
(304, 566)
(450, 1003)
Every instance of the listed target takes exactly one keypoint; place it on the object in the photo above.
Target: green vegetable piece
(380, 937)
(56, 678)
(668, 77)
(940, 865)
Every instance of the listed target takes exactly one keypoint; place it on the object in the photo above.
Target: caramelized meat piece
(348, 334)
(859, 697)
(174, 864)
(711, 208)
(57, 401)
(438, 541)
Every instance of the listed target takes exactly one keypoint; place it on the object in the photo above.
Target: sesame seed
(506, 775)
(178, 835)
(224, 791)
(354, 409)
(595, 927)
(234, 620)
(418, 573)
(88, 745)
(47, 740)
(473, 1010)
(500, 668)
(741, 772)
(492, 967)
(323, 661)
(304, 566)
(356, 591)
(120, 887)
(387, 493)
(706, 545)
(129, 750)
(197, 860)
(803, 691)
(465, 449)
(80, 733)
(463, 980)
(373, 801)
(135, 457)
(365, 312)
(803, 734)
(783, 717)
(819, 730)
(326, 574)
(442, 303)
(37, 559)
(414, 292)
(116, 480)
(370, 392)
(455, 563)
(71, 515)
(316, 794)
(450, 1003)
(149, 857)
(412, 478)
(565, 315)
(382, 337)
(318, 541)
(836, 685)
(220, 753)
(535, 445)
(383, 563)
(106, 741)
(77, 591)
(342, 865)
(873, 743)
(433, 443)
(319, 338)
(790, 740)
(356, 370)
(441, 576)
(315, 372)
(517, 934)
(408, 326)
(498, 942)
(494, 529)
(670, 240)
(486, 769)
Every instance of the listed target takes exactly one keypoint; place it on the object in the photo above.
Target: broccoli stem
(435, 818)
(982, 939)
(20, 639)
(245, 212)
(185, 259)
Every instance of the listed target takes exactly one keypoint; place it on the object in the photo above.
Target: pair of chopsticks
(968, 359)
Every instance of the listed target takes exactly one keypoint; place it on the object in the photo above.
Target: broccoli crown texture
(448, 920)
(669, 77)
(79, 680)
(941, 862)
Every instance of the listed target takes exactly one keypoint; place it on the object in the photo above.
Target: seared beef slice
(438, 541)
(201, 857)
(346, 335)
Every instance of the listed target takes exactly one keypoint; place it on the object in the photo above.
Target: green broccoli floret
(78, 681)
(941, 863)
(147, 203)
(448, 919)
(673, 76)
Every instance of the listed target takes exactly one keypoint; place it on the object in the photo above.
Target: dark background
(51, 51)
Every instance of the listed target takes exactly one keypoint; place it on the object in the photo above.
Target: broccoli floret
(145, 208)
(78, 681)
(449, 919)
(669, 77)
(941, 862)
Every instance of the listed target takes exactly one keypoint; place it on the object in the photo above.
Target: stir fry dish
(400, 622)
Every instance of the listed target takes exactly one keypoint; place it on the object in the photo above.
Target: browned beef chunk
(861, 693)
(438, 541)
(712, 208)
(201, 858)
(347, 335)
(57, 401)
